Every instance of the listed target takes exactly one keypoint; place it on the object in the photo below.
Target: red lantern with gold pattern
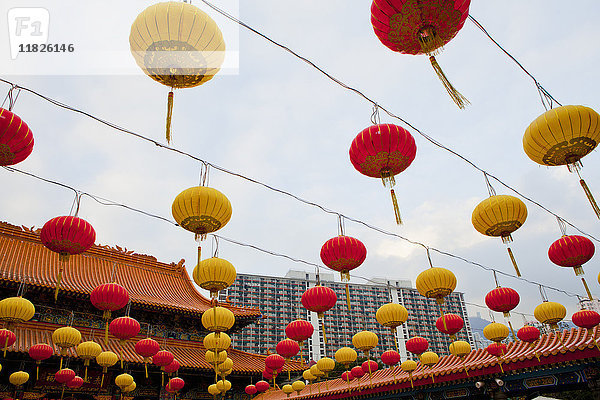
(274, 362)
(497, 349)
(319, 299)
(262, 386)
(162, 359)
(587, 319)
(64, 375)
(75, 383)
(450, 324)
(40, 352)
(147, 348)
(343, 254)
(172, 367)
(299, 330)
(287, 348)
(383, 151)
(176, 384)
(124, 328)
(109, 297)
(528, 334)
(417, 345)
(67, 236)
(16, 139)
(357, 372)
(7, 339)
(421, 27)
(502, 299)
(250, 390)
(390, 357)
(572, 251)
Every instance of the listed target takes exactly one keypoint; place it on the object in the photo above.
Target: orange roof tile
(189, 354)
(23, 257)
(572, 345)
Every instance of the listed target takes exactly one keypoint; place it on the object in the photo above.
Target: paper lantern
(64, 375)
(551, 313)
(436, 283)
(212, 389)
(65, 338)
(500, 216)
(429, 358)
(319, 299)
(163, 358)
(123, 380)
(262, 386)
(106, 359)
(274, 361)
(215, 358)
(496, 332)
(217, 343)
(572, 251)
(299, 330)
(528, 334)
(109, 297)
(502, 299)
(587, 319)
(287, 389)
(345, 356)
(369, 366)
(172, 367)
(460, 349)
(214, 274)
(497, 350)
(250, 390)
(450, 324)
(298, 386)
(392, 315)
(308, 375)
(147, 348)
(75, 383)
(316, 371)
(176, 384)
(365, 341)
(326, 365)
(383, 151)
(287, 348)
(130, 388)
(18, 378)
(40, 352)
(15, 310)
(421, 27)
(347, 376)
(218, 319)
(177, 45)
(16, 139)
(563, 136)
(357, 372)
(88, 351)
(409, 366)
(7, 339)
(417, 345)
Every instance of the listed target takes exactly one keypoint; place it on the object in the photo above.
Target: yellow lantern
(345, 356)
(287, 389)
(215, 359)
(212, 389)
(130, 388)
(201, 210)
(461, 349)
(218, 319)
(88, 351)
(65, 338)
(177, 45)
(316, 372)
(551, 313)
(223, 385)
(392, 315)
(217, 344)
(18, 378)
(436, 283)
(365, 341)
(409, 366)
(429, 358)
(307, 375)
(563, 136)
(106, 359)
(214, 274)
(500, 215)
(326, 365)
(123, 380)
(225, 366)
(298, 386)
(495, 332)
(15, 310)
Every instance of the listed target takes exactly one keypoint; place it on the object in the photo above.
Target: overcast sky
(275, 119)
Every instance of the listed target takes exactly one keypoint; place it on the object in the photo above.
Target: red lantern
(124, 328)
(497, 349)
(176, 384)
(109, 297)
(421, 27)
(319, 299)
(383, 151)
(587, 319)
(162, 359)
(347, 376)
(343, 254)
(172, 367)
(7, 339)
(250, 390)
(64, 375)
(40, 352)
(529, 334)
(16, 139)
(450, 324)
(390, 357)
(417, 345)
(267, 374)
(287, 348)
(67, 236)
(262, 386)
(75, 383)
(147, 348)
(572, 251)
(299, 330)
(274, 362)
(369, 366)
(357, 372)
(502, 299)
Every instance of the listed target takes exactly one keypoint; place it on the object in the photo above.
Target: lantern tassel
(63, 393)
(500, 364)
(37, 372)
(396, 208)
(512, 331)
(60, 366)
(460, 100)
(395, 338)
(465, 367)
(348, 297)
(199, 252)
(5, 346)
(169, 115)
(323, 328)
(590, 197)
(587, 288)
(411, 381)
(146, 368)
(431, 374)
(514, 262)
(58, 280)
(102, 380)
(301, 355)
(85, 374)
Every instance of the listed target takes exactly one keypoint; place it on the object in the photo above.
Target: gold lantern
(460, 349)
(88, 351)
(65, 338)
(429, 358)
(214, 274)
(551, 313)
(392, 315)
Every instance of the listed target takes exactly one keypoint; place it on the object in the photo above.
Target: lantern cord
(495, 278)
(491, 190)
(375, 118)
(546, 98)
(107, 202)
(429, 257)
(12, 99)
(562, 226)
(341, 225)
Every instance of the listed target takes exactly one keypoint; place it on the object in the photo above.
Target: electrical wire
(293, 259)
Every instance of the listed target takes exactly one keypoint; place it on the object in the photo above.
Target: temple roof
(566, 346)
(189, 354)
(150, 283)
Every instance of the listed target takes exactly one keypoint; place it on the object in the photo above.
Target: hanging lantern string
(429, 257)
(215, 246)
(76, 203)
(543, 293)
(562, 226)
(490, 188)
(546, 98)
(341, 225)
(375, 118)
(11, 97)
(495, 278)
(107, 202)
(204, 174)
